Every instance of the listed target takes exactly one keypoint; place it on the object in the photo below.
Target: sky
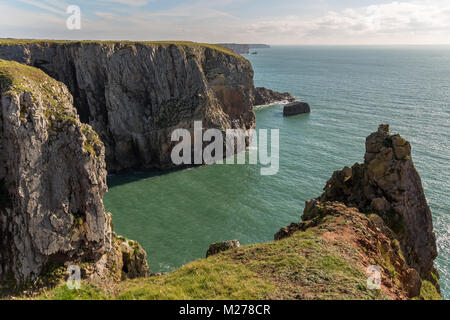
(300, 22)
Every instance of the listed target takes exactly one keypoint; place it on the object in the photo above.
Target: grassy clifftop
(11, 42)
(327, 261)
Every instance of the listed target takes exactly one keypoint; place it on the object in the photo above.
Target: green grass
(13, 75)
(86, 292)
(19, 78)
(185, 44)
(299, 267)
(428, 291)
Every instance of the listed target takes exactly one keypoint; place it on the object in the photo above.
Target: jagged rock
(135, 94)
(265, 96)
(217, 247)
(387, 183)
(295, 108)
(52, 179)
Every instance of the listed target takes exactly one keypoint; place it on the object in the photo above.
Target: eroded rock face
(265, 96)
(135, 94)
(52, 178)
(387, 184)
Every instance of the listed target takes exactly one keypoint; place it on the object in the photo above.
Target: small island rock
(295, 108)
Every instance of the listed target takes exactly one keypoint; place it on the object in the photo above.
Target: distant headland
(243, 48)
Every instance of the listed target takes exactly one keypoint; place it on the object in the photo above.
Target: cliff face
(388, 185)
(135, 94)
(52, 180)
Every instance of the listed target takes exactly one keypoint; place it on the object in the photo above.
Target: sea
(351, 90)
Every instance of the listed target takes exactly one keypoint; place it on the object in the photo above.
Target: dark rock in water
(297, 107)
(265, 96)
(217, 247)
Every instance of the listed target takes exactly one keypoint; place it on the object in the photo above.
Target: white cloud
(106, 15)
(44, 6)
(134, 3)
(416, 22)
(422, 21)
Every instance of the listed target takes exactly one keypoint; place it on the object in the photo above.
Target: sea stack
(295, 108)
(389, 189)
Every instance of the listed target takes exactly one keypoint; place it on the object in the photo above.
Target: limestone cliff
(134, 94)
(52, 181)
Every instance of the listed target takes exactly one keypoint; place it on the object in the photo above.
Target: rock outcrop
(135, 94)
(388, 187)
(265, 96)
(295, 108)
(217, 247)
(52, 181)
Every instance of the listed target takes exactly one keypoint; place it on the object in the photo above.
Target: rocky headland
(243, 48)
(135, 94)
(236, 47)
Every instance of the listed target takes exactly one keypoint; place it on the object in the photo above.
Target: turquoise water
(176, 215)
